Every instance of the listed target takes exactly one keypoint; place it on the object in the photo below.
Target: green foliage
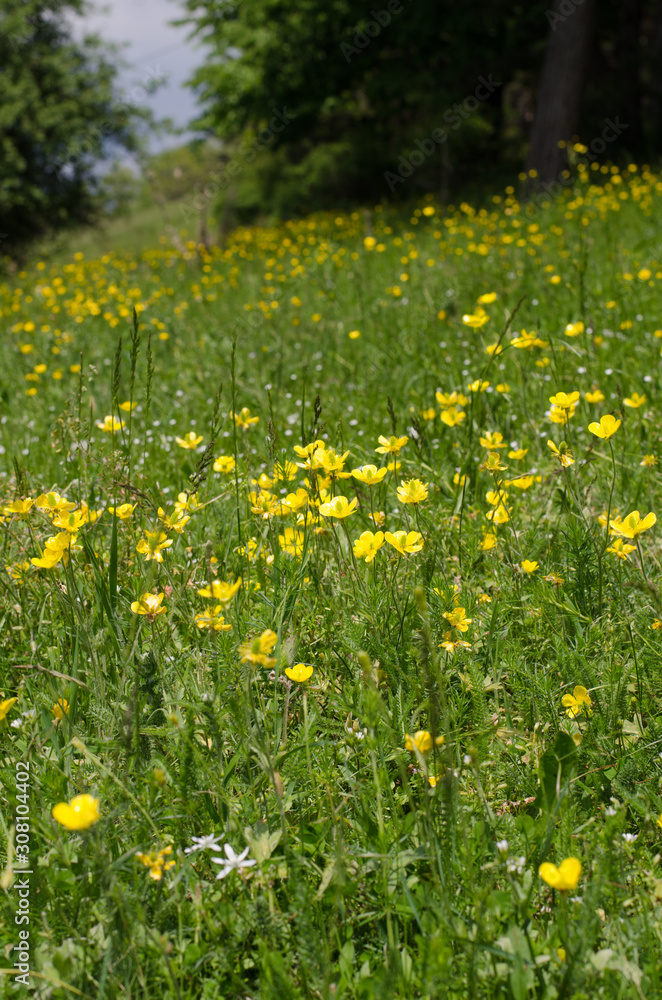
(60, 115)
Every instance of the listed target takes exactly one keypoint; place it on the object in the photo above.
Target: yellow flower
(370, 475)
(452, 417)
(332, 462)
(489, 541)
(244, 419)
(294, 502)
(498, 515)
(5, 706)
(620, 548)
(338, 507)
(72, 520)
(522, 482)
(20, 508)
(487, 298)
(565, 400)
(422, 741)
(53, 503)
(634, 401)
(648, 460)
(221, 591)
(128, 406)
(156, 862)
(594, 397)
(492, 439)
(124, 511)
(354, 334)
(563, 453)
(405, 542)
(574, 329)
(448, 401)
(529, 566)
(292, 542)
(518, 454)
(457, 619)
(79, 814)
(60, 709)
(368, 544)
(527, 341)
(264, 504)
(299, 673)
(176, 521)
(577, 703)
(606, 428)
(565, 877)
(285, 471)
(224, 463)
(110, 425)
(412, 491)
(633, 524)
(257, 650)
(191, 440)
(149, 605)
(152, 545)
(478, 386)
(475, 320)
(213, 620)
(659, 820)
(186, 501)
(392, 445)
(493, 463)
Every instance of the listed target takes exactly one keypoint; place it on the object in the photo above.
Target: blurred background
(214, 113)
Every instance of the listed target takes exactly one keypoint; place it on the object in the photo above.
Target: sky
(155, 48)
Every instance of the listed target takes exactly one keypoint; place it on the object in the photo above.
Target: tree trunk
(561, 85)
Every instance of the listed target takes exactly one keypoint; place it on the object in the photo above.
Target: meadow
(331, 642)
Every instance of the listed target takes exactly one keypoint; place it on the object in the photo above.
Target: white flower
(232, 861)
(516, 865)
(502, 846)
(630, 838)
(466, 760)
(208, 843)
(610, 811)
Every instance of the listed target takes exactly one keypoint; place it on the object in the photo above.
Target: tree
(59, 115)
(561, 89)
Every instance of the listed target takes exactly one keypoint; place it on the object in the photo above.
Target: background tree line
(365, 89)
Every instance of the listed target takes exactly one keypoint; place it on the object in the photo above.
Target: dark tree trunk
(628, 56)
(561, 87)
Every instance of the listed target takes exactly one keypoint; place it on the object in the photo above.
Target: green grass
(380, 870)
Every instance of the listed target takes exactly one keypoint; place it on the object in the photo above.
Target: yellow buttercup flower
(648, 461)
(176, 521)
(60, 709)
(338, 507)
(457, 618)
(149, 605)
(124, 511)
(5, 706)
(412, 491)
(621, 549)
(191, 440)
(244, 419)
(565, 877)
(152, 545)
(156, 862)
(221, 591)
(527, 341)
(224, 464)
(391, 445)
(264, 504)
(110, 424)
(448, 401)
(634, 401)
(529, 566)
(370, 475)
(632, 525)
(257, 651)
(577, 703)
(475, 320)
(574, 329)
(53, 503)
(368, 544)
(606, 428)
(518, 454)
(493, 439)
(422, 741)
(79, 814)
(405, 542)
(213, 620)
(594, 397)
(487, 298)
(292, 542)
(565, 400)
(128, 406)
(563, 453)
(299, 673)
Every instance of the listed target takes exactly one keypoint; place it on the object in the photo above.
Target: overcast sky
(155, 48)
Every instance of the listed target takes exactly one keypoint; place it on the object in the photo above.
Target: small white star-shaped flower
(232, 861)
(208, 843)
